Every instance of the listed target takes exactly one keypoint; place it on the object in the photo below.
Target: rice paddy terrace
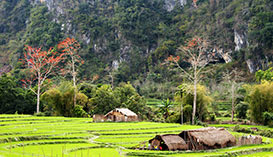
(25, 135)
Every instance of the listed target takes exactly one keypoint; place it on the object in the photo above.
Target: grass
(260, 127)
(260, 154)
(24, 135)
(155, 102)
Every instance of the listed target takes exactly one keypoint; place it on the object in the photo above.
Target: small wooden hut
(121, 115)
(208, 138)
(98, 118)
(167, 142)
(250, 139)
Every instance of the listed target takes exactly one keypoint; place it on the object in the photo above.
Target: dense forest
(124, 45)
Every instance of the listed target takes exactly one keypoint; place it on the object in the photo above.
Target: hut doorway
(115, 118)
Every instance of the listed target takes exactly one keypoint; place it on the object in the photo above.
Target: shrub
(241, 110)
(212, 117)
(198, 122)
(59, 100)
(227, 115)
(237, 128)
(186, 97)
(260, 99)
(266, 133)
(40, 114)
(187, 113)
(79, 112)
(268, 118)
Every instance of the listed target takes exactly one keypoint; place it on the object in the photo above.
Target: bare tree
(111, 74)
(198, 54)
(71, 47)
(233, 77)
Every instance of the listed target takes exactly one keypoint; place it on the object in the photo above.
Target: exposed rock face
(183, 2)
(115, 64)
(225, 55)
(218, 55)
(250, 66)
(170, 4)
(240, 40)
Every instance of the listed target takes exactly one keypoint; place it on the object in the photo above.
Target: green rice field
(29, 136)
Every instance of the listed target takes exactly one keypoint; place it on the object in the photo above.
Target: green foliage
(79, 112)
(124, 96)
(155, 89)
(164, 51)
(187, 113)
(264, 75)
(241, 110)
(260, 99)
(185, 96)
(237, 128)
(138, 20)
(14, 98)
(268, 118)
(212, 117)
(87, 89)
(140, 34)
(261, 28)
(18, 12)
(123, 92)
(165, 107)
(262, 132)
(42, 31)
(59, 101)
(103, 100)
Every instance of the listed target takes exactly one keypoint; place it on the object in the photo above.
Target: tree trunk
(181, 113)
(112, 81)
(232, 103)
(38, 94)
(194, 96)
(74, 81)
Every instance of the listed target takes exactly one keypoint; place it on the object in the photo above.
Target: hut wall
(115, 117)
(168, 142)
(98, 118)
(155, 143)
(131, 118)
(246, 140)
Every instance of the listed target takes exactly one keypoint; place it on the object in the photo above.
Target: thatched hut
(121, 115)
(167, 142)
(208, 138)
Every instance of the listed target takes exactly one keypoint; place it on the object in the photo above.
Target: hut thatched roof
(211, 136)
(173, 141)
(124, 111)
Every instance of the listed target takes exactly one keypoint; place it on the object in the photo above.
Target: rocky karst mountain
(132, 37)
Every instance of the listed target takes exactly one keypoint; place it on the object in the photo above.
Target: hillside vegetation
(133, 38)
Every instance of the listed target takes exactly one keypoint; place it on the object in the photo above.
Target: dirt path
(91, 140)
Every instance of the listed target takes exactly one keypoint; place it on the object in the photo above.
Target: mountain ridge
(135, 36)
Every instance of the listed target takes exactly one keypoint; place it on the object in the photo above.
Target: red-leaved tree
(41, 64)
(195, 3)
(70, 47)
(198, 54)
